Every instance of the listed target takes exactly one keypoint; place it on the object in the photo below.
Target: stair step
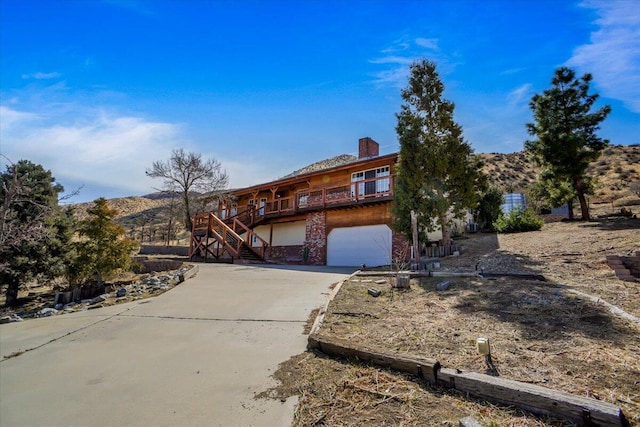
(217, 227)
(247, 253)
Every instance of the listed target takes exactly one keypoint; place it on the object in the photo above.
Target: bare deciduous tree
(197, 180)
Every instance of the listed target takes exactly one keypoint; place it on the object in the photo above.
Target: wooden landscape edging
(422, 367)
(533, 398)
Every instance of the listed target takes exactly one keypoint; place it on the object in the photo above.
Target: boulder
(443, 286)
(10, 318)
(97, 300)
(46, 312)
(374, 292)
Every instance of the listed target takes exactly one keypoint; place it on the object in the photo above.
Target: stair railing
(247, 217)
(250, 237)
(224, 234)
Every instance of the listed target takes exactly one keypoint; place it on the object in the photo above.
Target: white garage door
(354, 246)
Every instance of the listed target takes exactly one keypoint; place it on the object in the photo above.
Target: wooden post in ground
(414, 237)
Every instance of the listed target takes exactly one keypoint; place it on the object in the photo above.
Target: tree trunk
(12, 294)
(446, 232)
(414, 238)
(570, 209)
(187, 211)
(584, 207)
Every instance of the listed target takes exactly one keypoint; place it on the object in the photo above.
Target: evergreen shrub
(517, 221)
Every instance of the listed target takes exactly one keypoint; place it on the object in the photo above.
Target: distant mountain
(332, 162)
(159, 195)
(615, 171)
(126, 206)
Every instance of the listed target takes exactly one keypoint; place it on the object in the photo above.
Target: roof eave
(303, 177)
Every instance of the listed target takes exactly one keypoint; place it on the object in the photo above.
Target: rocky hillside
(617, 170)
(340, 160)
(128, 207)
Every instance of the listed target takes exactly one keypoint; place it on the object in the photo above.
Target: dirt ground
(540, 332)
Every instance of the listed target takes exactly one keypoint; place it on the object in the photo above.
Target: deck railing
(356, 192)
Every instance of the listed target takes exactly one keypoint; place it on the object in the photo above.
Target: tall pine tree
(437, 177)
(103, 249)
(565, 131)
(34, 232)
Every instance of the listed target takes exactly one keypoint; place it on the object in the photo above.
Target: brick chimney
(367, 147)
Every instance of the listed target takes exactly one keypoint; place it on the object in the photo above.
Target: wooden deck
(370, 191)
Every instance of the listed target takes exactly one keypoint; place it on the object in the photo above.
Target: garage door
(354, 246)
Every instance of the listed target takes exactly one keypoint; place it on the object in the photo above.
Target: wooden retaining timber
(421, 367)
(533, 398)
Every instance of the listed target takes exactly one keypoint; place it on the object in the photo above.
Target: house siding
(369, 215)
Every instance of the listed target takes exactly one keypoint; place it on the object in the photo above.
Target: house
(337, 216)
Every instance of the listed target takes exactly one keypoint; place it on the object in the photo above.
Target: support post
(416, 244)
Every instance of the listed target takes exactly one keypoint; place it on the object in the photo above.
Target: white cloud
(99, 150)
(393, 59)
(427, 43)
(512, 71)
(613, 54)
(401, 54)
(10, 117)
(42, 76)
(520, 96)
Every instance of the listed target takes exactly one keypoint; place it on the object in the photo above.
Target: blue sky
(96, 91)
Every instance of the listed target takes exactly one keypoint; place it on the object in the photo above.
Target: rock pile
(148, 285)
(11, 317)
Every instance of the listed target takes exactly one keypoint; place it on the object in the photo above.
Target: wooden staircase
(213, 237)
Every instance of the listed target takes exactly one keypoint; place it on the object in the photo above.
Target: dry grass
(348, 393)
(540, 332)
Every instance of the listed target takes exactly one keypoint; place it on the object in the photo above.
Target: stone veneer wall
(285, 254)
(316, 237)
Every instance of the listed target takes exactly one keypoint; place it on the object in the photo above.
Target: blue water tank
(511, 201)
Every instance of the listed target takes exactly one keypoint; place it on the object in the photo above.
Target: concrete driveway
(194, 356)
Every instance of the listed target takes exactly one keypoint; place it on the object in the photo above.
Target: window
(370, 182)
(263, 203)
